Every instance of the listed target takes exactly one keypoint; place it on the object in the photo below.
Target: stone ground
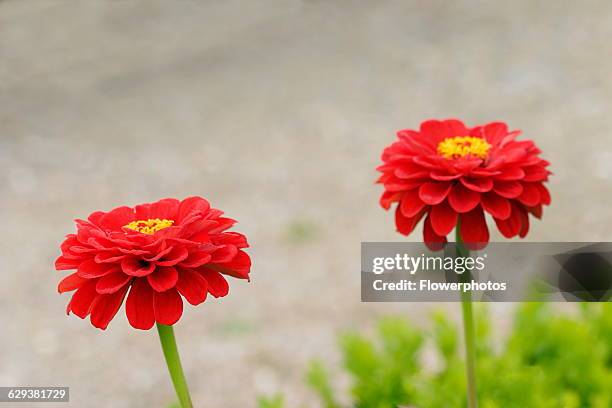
(277, 112)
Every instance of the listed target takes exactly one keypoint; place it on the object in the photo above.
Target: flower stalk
(468, 327)
(168, 343)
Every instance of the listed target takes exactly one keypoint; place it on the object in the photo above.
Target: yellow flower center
(150, 226)
(459, 146)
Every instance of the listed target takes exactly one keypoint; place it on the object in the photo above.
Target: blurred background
(276, 111)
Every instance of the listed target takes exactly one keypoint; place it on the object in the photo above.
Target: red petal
(240, 266)
(161, 252)
(91, 269)
(514, 154)
(415, 141)
(175, 256)
(117, 218)
(443, 219)
(407, 134)
(496, 205)
(224, 254)
(530, 195)
(192, 286)
(163, 278)
(463, 199)
(474, 231)
(83, 298)
(234, 238)
(443, 177)
(495, 163)
(108, 257)
(455, 127)
(411, 172)
(511, 226)
(63, 263)
(199, 229)
(190, 205)
(433, 241)
(482, 172)
(411, 204)
(466, 164)
(168, 307)
(508, 189)
(404, 224)
(401, 185)
(524, 223)
(217, 285)
(387, 198)
(95, 217)
(434, 130)
(196, 259)
(106, 307)
(535, 173)
(222, 225)
(135, 267)
(70, 283)
(165, 209)
(480, 185)
(112, 283)
(536, 211)
(139, 305)
(511, 173)
(544, 194)
(434, 193)
(427, 162)
(494, 132)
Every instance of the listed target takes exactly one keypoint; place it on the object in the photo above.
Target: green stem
(468, 328)
(168, 343)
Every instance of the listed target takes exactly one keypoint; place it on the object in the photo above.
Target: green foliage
(384, 371)
(302, 231)
(549, 360)
(318, 379)
(276, 401)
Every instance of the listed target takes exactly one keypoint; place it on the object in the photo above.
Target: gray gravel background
(277, 112)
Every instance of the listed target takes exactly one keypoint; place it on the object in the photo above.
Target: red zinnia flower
(159, 251)
(445, 171)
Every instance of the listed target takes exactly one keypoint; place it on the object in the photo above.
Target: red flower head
(159, 251)
(446, 171)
